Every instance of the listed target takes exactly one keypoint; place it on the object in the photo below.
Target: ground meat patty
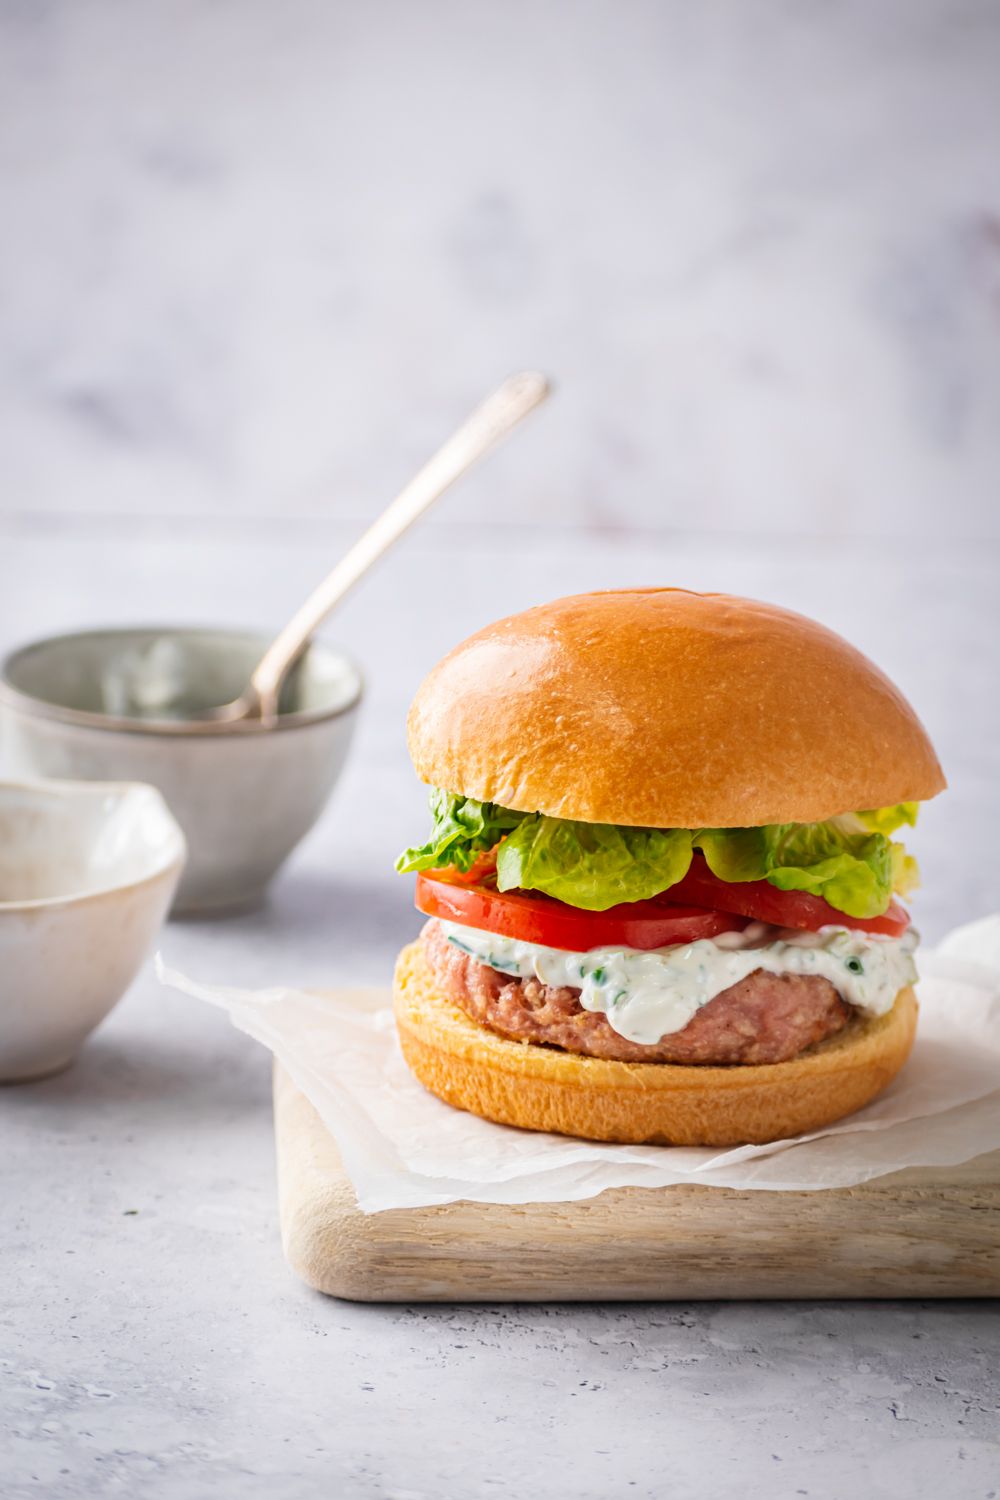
(765, 1018)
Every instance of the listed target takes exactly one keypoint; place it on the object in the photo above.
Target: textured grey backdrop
(256, 256)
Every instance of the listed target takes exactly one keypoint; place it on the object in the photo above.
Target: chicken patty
(764, 1018)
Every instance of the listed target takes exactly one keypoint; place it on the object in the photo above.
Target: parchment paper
(404, 1148)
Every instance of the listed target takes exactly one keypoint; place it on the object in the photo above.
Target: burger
(662, 883)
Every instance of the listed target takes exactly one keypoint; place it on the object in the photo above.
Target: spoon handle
(481, 431)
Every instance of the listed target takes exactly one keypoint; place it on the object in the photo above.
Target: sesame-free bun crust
(544, 1088)
(664, 708)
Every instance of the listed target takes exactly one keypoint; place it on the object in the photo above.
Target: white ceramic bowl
(87, 873)
(244, 794)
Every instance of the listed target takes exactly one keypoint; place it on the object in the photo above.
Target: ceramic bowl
(87, 873)
(93, 706)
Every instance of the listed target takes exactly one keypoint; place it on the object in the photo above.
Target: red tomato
(540, 919)
(483, 867)
(765, 903)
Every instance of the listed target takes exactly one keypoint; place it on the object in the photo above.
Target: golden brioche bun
(669, 709)
(544, 1088)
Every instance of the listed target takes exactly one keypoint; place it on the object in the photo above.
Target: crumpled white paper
(402, 1148)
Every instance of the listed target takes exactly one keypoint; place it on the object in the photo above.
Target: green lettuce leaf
(852, 871)
(905, 871)
(887, 819)
(463, 829)
(734, 853)
(592, 865)
(849, 861)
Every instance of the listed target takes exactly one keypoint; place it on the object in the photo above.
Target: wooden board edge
(898, 1236)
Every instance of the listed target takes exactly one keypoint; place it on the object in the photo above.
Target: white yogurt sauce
(648, 995)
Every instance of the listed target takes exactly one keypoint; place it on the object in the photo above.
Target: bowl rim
(70, 791)
(26, 703)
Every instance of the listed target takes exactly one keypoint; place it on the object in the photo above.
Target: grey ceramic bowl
(91, 706)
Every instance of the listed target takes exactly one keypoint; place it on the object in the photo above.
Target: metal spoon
(480, 432)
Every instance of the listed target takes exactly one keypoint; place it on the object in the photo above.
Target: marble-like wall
(256, 258)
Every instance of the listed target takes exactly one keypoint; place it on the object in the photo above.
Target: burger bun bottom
(545, 1088)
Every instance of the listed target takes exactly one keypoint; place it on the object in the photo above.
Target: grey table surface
(153, 1339)
(256, 260)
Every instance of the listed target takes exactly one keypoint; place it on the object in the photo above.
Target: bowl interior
(165, 673)
(60, 840)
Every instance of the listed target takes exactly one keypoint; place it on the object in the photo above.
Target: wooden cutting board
(929, 1232)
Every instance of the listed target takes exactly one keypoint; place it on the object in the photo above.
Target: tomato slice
(483, 867)
(763, 902)
(534, 918)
